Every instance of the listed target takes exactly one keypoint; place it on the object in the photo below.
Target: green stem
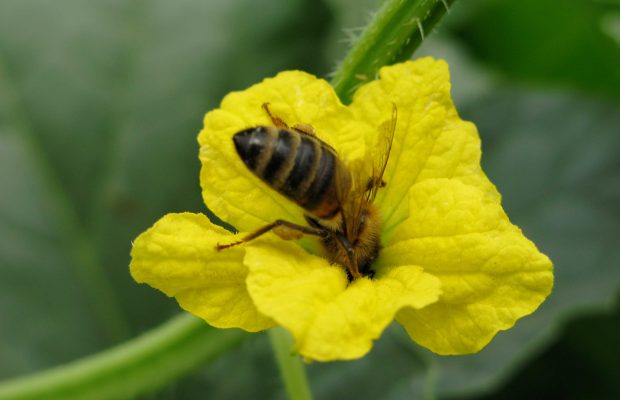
(291, 368)
(394, 33)
(141, 365)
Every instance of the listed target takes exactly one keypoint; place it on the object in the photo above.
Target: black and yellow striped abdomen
(300, 166)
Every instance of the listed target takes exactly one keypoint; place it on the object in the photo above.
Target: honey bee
(337, 198)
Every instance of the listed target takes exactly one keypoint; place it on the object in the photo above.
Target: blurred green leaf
(250, 371)
(100, 104)
(582, 364)
(571, 43)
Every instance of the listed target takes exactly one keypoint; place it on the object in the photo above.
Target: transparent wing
(356, 197)
(367, 179)
(384, 147)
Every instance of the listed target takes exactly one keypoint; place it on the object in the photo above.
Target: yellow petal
(430, 141)
(177, 256)
(229, 189)
(491, 274)
(329, 318)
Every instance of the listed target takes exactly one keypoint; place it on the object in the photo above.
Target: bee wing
(356, 182)
(343, 184)
(365, 180)
(384, 147)
(355, 198)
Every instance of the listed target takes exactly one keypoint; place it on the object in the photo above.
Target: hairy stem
(393, 34)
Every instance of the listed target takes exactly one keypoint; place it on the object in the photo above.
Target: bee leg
(353, 271)
(284, 229)
(305, 129)
(277, 122)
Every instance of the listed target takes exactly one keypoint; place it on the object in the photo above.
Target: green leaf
(100, 104)
(581, 364)
(572, 43)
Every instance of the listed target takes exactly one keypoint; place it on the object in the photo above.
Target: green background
(100, 104)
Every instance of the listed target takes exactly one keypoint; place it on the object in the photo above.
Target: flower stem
(291, 368)
(393, 34)
(141, 365)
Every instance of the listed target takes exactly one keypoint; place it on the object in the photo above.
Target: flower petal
(329, 318)
(430, 141)
(177, 256)
(491, 274)
(229, 189)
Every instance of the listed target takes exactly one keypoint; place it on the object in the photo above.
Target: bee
(337, 198)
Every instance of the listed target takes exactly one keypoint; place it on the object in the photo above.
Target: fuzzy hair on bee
(337, 198)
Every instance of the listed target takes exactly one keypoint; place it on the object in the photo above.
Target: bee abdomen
(254, 146)
(300, 167)
(268, 152)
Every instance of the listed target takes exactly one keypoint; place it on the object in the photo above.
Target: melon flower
(453, 270)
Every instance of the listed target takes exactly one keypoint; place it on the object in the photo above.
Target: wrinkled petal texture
(431, 141)
(177, 256)
(330, 318)
(442, 213)
(490, 273)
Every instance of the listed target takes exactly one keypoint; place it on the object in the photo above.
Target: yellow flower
(453, 270)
